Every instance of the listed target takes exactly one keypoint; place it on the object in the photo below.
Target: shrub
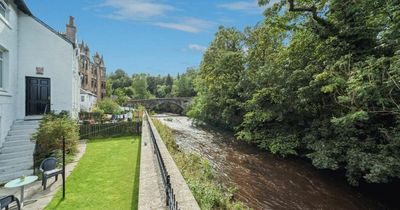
(48, 136)
(108, 106)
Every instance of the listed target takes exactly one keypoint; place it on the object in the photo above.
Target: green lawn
(107, 177)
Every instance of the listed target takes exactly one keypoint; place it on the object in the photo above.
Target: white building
(88, 100)
(38, 70)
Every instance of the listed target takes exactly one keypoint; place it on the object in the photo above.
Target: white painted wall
(76, 86)
(29, 44)
(8, 42)
(88, 102)
(40, 47)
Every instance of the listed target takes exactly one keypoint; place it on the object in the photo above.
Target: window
(1, 68)
(82, 98)
(3, 8)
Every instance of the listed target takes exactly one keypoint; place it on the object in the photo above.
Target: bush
(48, 136)
(108, 106)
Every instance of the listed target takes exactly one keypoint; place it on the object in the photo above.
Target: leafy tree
(139, 87)
(219, 98)
(318, 79)
(108, 106)
(120, 79)
(184, 84)
(121, 96)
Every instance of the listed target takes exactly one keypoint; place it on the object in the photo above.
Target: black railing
(171, 201)
(110, 129)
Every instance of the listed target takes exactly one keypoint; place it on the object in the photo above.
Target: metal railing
(171, 201)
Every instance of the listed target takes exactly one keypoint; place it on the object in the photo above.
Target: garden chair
(48, 169)
(7, 200)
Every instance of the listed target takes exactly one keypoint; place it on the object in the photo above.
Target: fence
(110, 129)
(171, 201)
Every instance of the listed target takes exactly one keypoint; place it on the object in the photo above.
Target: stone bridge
(182, 102)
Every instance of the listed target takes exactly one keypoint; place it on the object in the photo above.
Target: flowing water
(265, 181)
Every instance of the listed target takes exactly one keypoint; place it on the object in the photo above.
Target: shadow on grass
(107, 139)
(135, 193)
(59, 202)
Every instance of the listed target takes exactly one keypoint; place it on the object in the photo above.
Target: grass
(107, 177)
(199, 175)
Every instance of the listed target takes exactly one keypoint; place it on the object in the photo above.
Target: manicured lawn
(107, 177)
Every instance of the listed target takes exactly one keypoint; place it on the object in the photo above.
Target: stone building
(92, 70)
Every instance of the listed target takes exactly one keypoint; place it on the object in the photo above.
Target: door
(37, 96)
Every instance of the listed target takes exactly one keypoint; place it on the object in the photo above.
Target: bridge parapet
(182, 102)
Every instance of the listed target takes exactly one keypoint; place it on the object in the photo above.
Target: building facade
(92, 71)
(88, 101)
(38, 68)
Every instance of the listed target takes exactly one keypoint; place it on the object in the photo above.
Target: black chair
(7, 200)
(48, 169)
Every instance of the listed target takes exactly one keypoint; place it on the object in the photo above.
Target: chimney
(71, 30)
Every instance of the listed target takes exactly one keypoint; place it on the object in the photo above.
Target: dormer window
(3, 8)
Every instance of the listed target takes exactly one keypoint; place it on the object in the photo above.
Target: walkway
(34, 191)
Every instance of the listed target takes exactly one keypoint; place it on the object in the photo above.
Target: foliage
(49, 136)
(319, 79)
(218, 82)
(199, 175)
(121, 96)
(139, 87)
(107, 106)
(103, 172)
(184, 84)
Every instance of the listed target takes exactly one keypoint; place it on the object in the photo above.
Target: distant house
(38, 67)
(88, 100)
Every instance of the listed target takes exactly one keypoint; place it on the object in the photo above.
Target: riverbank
(266, 181)
(199, 175)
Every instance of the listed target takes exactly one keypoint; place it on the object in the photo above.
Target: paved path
(34, 191)
(151, 193)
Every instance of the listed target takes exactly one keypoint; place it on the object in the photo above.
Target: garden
(107, 175)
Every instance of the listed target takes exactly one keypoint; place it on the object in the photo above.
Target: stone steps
(16, 155)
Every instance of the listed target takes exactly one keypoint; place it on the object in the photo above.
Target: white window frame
(3, 3)
(4, 70)
(2, 67)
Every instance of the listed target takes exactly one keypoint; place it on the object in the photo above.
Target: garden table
(21, 182)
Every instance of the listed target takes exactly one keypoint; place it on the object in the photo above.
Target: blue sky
(148, 36)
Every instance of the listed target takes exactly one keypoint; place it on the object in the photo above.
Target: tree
(184, 84)
(139, 87)
(169, 81)
(120, 79)
(219, 98)
(318, 79)
(108, 106)
(122, 97)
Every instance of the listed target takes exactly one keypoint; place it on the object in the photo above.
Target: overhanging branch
(313, 11)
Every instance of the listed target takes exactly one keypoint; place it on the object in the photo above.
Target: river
(266, 181)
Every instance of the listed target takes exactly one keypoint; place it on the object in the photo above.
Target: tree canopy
(319, 79)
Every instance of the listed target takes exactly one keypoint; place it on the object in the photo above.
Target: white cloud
(135, 9)
(197, 47)
(192, 25)
(246, 6)
(150, 12)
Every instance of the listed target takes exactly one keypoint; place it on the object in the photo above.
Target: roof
(87, 92)
(21, 5)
